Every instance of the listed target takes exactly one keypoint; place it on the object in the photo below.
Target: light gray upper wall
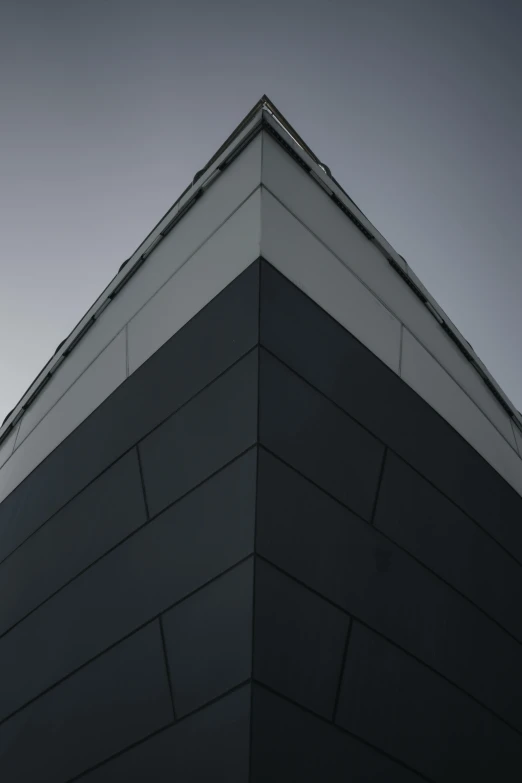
(211, 245)
(310, 204)
(265, 203)
(317, 246)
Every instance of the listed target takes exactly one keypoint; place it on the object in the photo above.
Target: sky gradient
(109, 107)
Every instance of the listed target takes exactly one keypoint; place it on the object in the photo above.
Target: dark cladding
(263, 557)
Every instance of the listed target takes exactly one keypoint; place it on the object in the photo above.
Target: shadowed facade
(237, 569)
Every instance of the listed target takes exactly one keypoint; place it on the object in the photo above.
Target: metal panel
(208, 639)
(435, 385)
(215, 427)
(212, 744)
(103, 514)
(418, 517)
(399, 705)
(299, 255)
(115, 701)
(219, 261)
(291, 744)
(299, 640)
(307, 431)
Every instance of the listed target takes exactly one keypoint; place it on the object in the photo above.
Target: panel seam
(379, 483)
(344, 659)
(254, 559)
(142, 479)
(167, 666)
(127, 349)
(15, 440)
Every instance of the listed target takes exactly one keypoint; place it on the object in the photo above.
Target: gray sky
(109, 107)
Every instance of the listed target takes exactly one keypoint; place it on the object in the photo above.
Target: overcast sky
(109, 107)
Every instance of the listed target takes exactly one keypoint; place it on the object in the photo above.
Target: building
(261, 514)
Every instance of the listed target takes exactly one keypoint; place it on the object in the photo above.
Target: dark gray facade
(263, 557)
